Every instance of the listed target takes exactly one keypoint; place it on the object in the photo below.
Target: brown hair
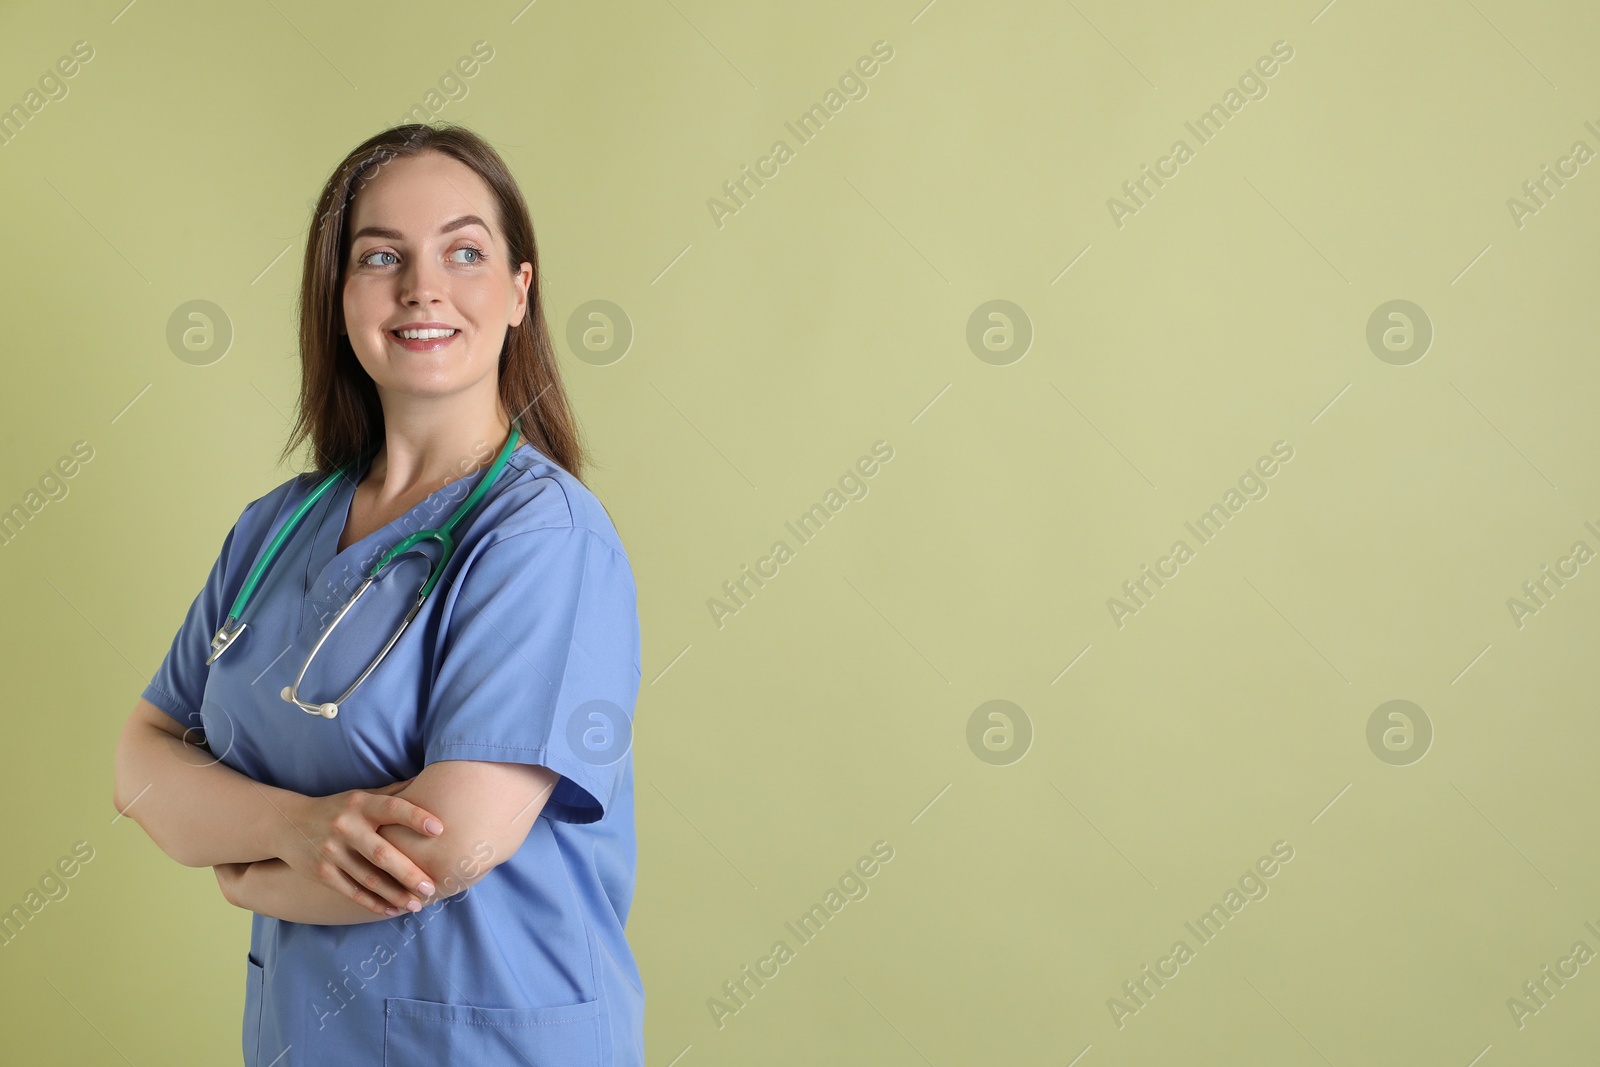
(338, 407)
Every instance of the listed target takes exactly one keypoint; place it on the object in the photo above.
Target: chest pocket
(425, 1033)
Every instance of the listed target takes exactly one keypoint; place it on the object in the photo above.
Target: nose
(420, 282)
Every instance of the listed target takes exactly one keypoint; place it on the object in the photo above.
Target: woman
(440, 862)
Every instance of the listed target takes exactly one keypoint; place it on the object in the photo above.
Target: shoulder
(281, 500)
(262, 514)
(537, 494)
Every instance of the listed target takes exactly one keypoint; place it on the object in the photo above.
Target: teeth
(423, 335)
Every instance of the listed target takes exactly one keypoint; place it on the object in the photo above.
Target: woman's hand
(335, 843)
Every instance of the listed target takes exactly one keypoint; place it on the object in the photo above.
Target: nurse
(441, 871)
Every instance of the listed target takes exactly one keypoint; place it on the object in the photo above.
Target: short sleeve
(179, 684)
(540, 664)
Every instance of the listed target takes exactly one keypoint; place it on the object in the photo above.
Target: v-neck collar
(329, 570)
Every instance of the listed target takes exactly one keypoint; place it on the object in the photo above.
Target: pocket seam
(490, 1022)
(441, 1012)
(568, 1034)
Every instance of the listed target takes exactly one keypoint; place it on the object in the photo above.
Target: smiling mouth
(424, 335)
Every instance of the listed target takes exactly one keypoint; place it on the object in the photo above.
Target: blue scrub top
(527, 651)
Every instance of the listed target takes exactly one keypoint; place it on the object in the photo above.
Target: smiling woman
(468, 743)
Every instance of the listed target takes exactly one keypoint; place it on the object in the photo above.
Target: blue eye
(479, 256)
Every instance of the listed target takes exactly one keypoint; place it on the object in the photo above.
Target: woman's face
(423, 251)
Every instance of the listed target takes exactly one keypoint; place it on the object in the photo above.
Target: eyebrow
(396, 235)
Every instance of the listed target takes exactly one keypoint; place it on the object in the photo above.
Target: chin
(424, 387)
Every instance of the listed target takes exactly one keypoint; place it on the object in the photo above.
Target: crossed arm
(203, 813)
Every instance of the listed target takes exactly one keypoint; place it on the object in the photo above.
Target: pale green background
(830, 313)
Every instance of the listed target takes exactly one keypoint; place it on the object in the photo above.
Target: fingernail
(391, 912)
(433, 826)
(413, 905)
(425, 888)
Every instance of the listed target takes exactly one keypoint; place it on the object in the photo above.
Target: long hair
(338, 408)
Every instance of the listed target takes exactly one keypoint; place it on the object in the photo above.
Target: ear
(520, 282)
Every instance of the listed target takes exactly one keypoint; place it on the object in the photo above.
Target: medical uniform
(528, 651)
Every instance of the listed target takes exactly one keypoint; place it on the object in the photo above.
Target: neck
(429, 445)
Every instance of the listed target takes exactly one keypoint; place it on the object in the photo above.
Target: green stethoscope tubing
(233, 627)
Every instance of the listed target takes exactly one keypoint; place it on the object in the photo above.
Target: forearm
(196, 809)
(272, 887)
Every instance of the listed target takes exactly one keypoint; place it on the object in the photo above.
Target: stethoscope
(233, 627)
